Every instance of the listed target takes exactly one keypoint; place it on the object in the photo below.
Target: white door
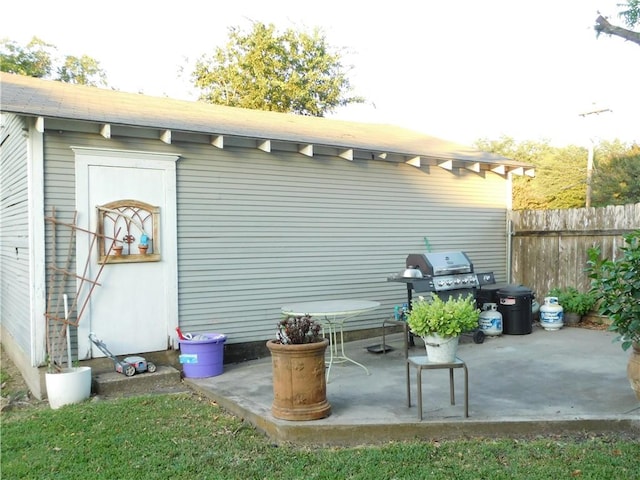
(135, 308)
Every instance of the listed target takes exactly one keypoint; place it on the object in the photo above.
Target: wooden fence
(549, 247)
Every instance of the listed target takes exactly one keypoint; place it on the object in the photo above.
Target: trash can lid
(515, 290)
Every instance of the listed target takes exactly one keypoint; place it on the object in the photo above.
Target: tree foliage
(82, 70)
(560, 180)
(33, 60)
(631, 17)
(39, 59)
(561, 173)
(616, 180)
(295, 72)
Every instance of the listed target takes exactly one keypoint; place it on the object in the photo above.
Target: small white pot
(72, 385)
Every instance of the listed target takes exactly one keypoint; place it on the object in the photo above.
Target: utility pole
(590, 155)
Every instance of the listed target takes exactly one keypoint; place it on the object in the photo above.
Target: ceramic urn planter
(299, 381)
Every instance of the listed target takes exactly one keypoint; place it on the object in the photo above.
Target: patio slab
(567, 381)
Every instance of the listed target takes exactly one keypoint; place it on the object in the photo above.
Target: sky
(460, 70)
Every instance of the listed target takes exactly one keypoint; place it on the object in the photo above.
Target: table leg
(331, 348)
(466, 390)
(336, 347)
(338, 354)
(419, 393)
(452, 392)
(344, 355)
(408, 382)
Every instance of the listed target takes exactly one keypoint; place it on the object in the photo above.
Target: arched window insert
(138, 226)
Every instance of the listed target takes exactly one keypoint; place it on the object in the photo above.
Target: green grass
(188, 437)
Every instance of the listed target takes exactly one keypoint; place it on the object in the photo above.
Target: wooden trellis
(58, 317)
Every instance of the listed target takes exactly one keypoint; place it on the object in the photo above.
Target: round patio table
(334, 314)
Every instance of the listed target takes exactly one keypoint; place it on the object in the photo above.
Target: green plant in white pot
(441, 322)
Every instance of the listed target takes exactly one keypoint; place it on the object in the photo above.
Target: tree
(34, 60)
(631, 17)
(560, 180)
(82, 71)
(283, 72)
(561, 172)
(615, 181)
(37, 59)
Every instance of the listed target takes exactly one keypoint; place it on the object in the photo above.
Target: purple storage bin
(203, 356)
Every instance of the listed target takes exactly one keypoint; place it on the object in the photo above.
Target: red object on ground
(180, 335)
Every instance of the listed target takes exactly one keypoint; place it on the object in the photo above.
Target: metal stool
(423, 363)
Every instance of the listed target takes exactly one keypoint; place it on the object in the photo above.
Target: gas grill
(444, 273)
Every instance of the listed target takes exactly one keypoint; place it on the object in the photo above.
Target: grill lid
(436, 264)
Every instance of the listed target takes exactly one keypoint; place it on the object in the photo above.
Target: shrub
(446, 318)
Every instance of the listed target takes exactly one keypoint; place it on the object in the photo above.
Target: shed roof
(57, 100)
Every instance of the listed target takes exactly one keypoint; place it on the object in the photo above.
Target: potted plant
(441, 322)
(117, 248)
(616, 286)
(299, 380)
(575, 304)
(143, 246)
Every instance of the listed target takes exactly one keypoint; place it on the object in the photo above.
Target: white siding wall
(259, 230)
(14, 228)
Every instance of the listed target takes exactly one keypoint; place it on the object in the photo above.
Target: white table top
(330, 308)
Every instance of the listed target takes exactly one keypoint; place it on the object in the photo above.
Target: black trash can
(489, 294)
(514, 303)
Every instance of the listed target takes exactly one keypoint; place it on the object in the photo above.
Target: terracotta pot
(299, 381)
(117, 251)
(143, 249)
(633, 369)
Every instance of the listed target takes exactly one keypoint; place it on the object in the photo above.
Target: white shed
(245, 211)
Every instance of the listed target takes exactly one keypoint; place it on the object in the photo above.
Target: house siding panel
(259, 230)
(14, 228)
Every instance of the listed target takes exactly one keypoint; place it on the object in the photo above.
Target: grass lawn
(186, 436)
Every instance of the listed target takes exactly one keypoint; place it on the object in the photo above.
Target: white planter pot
(441, 349)
(72, 385)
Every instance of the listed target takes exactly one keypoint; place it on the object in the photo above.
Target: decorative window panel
(128, 232)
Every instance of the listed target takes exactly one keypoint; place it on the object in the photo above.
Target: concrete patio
(568, 381)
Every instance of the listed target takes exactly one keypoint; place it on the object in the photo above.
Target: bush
(447, 319)
(616, 285)
(574, 301)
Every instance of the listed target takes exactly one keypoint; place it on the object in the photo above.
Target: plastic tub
(203, 356)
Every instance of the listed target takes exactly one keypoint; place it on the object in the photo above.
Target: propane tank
(551, 314)
(490, 320)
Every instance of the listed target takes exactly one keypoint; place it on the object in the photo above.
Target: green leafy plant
(298, 330)
(616, 285)
(449, 318)
(574, 301)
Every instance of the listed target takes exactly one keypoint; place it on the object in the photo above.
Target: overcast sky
(460, 70)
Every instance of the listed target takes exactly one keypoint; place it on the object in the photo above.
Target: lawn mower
(128, 366)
